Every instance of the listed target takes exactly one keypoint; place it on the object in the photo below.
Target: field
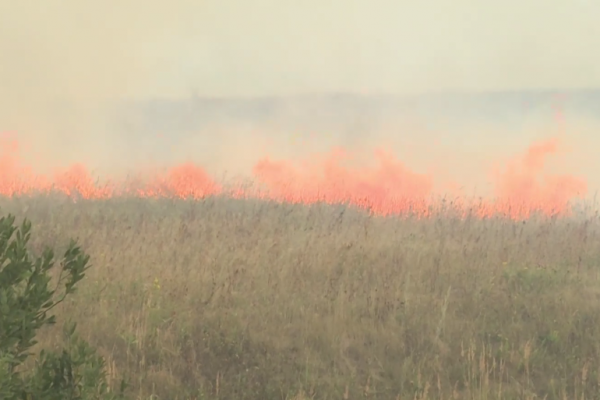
(250, 299)
(303, 201)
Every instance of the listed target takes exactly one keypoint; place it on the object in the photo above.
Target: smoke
(67, 66)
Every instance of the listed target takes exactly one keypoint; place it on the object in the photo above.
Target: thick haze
(65, 65)
(142, 49)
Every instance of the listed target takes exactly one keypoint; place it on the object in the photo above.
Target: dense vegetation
(226, 299)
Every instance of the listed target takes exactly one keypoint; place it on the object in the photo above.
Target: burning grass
(520, 189)
(225, 298)
(326, 280)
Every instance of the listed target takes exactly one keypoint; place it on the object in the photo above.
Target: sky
(141, 49)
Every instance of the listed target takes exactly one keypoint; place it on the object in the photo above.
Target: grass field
(231, 299)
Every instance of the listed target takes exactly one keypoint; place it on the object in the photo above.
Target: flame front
(520, 190)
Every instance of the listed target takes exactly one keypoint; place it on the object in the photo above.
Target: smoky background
(453, 90)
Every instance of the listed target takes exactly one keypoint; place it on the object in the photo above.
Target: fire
(520, 189)
(387, 188)
(523, 187)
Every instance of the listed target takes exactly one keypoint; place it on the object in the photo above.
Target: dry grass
(225, 299)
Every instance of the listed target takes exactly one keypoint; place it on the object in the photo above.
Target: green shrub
(28, 293)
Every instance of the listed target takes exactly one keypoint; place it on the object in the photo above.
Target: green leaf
(26, 299)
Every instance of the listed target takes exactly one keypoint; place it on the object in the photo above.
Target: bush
(27, 294)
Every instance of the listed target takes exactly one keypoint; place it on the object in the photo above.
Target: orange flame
(389, 187)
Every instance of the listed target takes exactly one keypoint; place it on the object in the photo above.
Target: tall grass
(227, 299)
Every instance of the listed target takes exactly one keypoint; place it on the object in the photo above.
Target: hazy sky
(134, 48)
(87, 51)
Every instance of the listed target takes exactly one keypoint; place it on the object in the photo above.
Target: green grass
(224, 299)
